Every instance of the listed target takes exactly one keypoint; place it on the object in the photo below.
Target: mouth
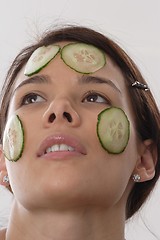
(60, 144)
(59, 148)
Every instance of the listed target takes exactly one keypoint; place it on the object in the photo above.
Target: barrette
(139, 85)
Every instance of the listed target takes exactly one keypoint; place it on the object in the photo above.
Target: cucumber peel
(83, 58)
(113, 130)
(40, 58)
(13, 139)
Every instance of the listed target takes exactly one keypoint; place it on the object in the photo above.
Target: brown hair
(146, 112)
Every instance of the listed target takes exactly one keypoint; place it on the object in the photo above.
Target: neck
(87, 223)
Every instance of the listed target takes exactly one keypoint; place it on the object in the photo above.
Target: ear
(3, 170)
(145, 166)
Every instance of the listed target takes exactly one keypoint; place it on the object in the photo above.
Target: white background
(134, 24)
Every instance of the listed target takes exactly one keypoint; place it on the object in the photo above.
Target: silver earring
(136, 177)
(6, 179)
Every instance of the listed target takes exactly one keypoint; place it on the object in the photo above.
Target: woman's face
(60, 106)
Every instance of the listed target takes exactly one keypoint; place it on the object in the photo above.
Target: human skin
(80, 194)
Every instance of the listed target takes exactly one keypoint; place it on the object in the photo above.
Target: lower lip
(63, 155)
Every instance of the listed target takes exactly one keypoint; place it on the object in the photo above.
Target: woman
(67, 183)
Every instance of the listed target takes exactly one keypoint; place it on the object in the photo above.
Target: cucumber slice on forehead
(113, 130)
(13, 139)
(83, 58)
(40, 58)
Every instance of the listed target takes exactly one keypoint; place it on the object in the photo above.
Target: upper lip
(61, 139)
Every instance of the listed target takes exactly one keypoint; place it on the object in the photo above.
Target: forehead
(59, 69)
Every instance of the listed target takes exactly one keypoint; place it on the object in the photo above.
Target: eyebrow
(38, 79)
(84, 79)
(100, 80)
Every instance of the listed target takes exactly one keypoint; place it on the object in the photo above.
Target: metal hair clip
(140, 86)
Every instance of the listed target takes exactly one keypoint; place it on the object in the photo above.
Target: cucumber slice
(83, 58)
(113, 130)
(13, 139)
(40, 58)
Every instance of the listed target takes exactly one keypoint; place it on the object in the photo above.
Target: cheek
(13, 138)
(16, 172)
(113, 130)
(112, 169)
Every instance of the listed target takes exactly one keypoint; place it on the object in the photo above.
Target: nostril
(68, 116)
(52, 117)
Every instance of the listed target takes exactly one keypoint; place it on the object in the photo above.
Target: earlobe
(145, 166)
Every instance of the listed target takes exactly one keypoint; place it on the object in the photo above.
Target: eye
(32, 98)
(95, 97)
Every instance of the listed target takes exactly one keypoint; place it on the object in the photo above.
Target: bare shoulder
(2, 233)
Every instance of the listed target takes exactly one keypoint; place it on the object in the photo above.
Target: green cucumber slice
(83, 58)
(113, 130)
(40, 58)
(13, 139)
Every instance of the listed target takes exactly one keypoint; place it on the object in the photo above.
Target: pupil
(32, 98)
(92, 98)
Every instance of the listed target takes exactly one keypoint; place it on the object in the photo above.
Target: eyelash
(92, 94)
(30, 96)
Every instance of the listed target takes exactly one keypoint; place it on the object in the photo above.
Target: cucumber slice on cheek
(13, 139)
(113, 130)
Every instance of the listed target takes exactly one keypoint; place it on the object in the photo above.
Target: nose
(61, 111)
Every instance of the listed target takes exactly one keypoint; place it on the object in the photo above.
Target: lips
(60, 143)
